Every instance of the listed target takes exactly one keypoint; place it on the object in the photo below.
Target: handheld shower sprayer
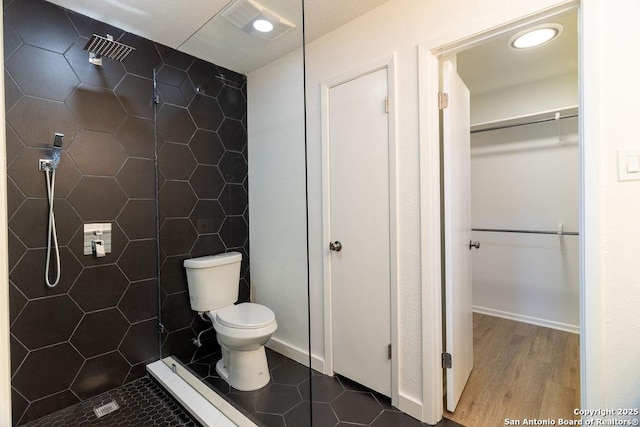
(49, 168)
(57, 140)
(57, 146)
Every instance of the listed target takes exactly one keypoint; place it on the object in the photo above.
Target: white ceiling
(495, 65)
(193, 26)
(222, 43)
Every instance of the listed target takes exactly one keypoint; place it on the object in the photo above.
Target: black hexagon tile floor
(293, 399)
(141, 404)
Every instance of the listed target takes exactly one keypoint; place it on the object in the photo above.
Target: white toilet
(242, 329)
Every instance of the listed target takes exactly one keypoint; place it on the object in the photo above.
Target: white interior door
(359, 220)
(457, 214)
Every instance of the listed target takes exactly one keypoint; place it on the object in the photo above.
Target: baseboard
(317, 364)
(206, 406)
(528, 319)
(295, 353)
(410, 406)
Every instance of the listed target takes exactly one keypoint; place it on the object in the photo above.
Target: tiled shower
(170, 177)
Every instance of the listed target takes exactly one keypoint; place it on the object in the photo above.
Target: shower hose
(52, 235)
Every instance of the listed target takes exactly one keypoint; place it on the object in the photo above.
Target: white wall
(277, 208)
(534, 97)
(524, 178)
(612, 270)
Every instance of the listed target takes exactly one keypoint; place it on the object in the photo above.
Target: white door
(457, 214)
(359, 220)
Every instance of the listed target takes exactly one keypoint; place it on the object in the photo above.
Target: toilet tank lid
(213, 260)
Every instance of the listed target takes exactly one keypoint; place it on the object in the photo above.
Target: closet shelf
(543, 116)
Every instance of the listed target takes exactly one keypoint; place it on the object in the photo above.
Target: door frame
(325, 87)
(431, 231)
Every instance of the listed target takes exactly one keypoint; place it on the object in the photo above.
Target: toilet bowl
(242, 331)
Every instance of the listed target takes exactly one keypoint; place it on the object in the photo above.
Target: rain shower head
(99, 46)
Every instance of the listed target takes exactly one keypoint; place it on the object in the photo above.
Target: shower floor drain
(106, 409)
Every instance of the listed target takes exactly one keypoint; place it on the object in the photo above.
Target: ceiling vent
(243, 13)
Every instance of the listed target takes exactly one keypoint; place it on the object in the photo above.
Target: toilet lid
(246, 316)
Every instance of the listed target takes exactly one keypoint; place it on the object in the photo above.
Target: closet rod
(523, 124)
(502, 230)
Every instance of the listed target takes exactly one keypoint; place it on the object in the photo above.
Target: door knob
(335, 246)
(473, 244)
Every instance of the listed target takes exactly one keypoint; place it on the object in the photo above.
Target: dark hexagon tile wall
(26, 64)
(176, 161)
(41, 24)
(102, 319)
(135, 134)
(14, 145)
(193, 216)
(111, 366)
(96, 108)
(177, 199)
(28, 327)
(99, 287)
(99, 332)
(37, 370)
(97, 153)
(97, 198)
(206, 147)
(32, 120)
(207, 182)
(133, 93)
(28, 224)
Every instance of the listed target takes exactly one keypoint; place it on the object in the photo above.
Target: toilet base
(244, 370)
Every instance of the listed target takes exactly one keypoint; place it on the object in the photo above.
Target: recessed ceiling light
(262, 25)
(257, 20)
(536, 36)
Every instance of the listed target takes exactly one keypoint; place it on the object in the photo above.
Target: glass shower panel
(230, 149)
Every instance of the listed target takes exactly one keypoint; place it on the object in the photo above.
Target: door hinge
(386, 104)
(389, 352)
(446, 360)
(443, 100)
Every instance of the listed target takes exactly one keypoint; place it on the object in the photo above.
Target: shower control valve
(97, 239)
(44, 165)
(98, 248)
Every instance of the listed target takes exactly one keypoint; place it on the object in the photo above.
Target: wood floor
(520, 371)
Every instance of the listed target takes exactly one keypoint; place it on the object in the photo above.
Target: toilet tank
(213, 280)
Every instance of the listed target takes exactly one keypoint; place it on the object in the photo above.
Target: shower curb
(198, 399)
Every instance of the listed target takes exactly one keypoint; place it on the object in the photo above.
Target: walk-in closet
(525, 215)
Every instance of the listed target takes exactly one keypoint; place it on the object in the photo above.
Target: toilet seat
(246, 316)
